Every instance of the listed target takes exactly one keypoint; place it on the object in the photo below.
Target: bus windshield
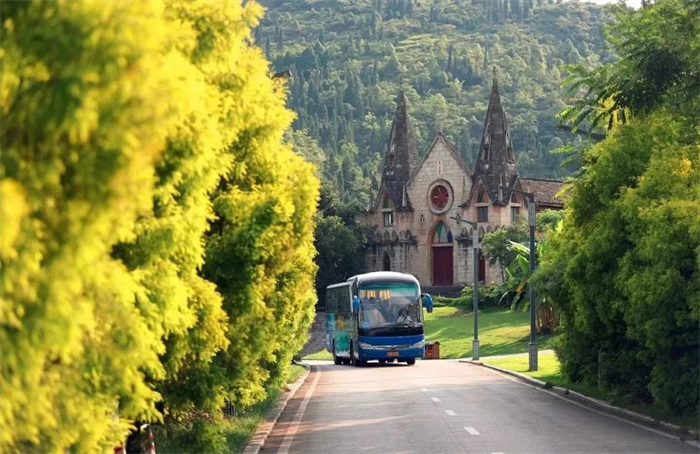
(389, 306)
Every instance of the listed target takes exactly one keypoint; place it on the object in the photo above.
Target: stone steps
(317, 336)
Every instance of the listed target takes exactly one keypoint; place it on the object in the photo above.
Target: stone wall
(408, 242)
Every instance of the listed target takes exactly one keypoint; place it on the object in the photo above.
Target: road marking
(586, 407)
(289, 437)
(471, 430)
(435, 399)
(450, 412)
(496, 453)
(424, 389)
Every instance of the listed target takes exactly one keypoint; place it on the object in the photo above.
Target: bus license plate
(392, 354)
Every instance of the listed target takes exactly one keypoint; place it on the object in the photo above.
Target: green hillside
(349, 58)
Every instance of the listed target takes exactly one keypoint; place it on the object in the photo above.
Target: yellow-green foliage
(85, 110)
(260, 248)
(129, 130)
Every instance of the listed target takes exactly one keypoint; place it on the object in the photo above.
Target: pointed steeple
(401, 154)
(496, 163)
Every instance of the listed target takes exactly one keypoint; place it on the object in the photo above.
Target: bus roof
(342, 284)
(381, 277)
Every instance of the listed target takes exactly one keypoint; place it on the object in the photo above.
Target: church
(413, 215)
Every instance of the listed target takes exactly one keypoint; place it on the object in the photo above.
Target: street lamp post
(533, 297)
(531, 216)
(475, 247)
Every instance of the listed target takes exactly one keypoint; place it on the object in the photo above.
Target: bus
(376, 317)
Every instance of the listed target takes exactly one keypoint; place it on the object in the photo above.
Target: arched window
(482, 197)
(387, 262)
(387, 210)
(442, 234)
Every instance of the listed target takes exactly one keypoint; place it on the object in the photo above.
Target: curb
(685, 435)
(256, 442)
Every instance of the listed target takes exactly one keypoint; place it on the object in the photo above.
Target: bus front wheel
(411, 361)
(354, 361)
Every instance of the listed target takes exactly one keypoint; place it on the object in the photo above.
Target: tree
(496, 245)
(621, 272)
(624, 271)
(86, 108)
(155, 249)
(660, 62)
(259, 249)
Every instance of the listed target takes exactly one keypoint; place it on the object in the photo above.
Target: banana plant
(518, 273)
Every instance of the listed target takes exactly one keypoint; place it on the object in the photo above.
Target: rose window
(439, 197)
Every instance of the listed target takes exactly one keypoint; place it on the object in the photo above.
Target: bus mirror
(355, 305)
(428, 302)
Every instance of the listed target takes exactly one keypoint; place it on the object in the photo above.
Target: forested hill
(349, 58)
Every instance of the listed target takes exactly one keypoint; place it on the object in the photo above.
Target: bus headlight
(420, 344)
(365, 345)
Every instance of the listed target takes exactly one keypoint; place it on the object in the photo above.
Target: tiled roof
(545, 191)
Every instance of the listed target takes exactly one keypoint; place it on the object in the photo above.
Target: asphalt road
(445, 407)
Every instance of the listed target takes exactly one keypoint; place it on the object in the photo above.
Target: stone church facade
(412, 215)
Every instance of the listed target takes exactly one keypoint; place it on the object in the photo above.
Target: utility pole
(475, 247)
(531, 218)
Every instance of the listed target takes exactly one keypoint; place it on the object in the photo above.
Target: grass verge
(500, 332)
(224, 435)
(549, 371)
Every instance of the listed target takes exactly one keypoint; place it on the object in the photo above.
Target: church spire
(401, 155)
(496, 164)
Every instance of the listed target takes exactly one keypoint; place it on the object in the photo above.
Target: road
(445, 407)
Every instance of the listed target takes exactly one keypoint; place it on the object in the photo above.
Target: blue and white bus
(376, 316)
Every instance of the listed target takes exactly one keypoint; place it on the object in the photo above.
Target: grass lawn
(500, 332)
(236, 431)
(323, 354)
(549, 371)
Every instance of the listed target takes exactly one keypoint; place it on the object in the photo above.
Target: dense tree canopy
(156, 258)
(624, 270)
(349, 59)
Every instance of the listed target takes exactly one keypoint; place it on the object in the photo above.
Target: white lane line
(424, 389)
(496, 453)
(289, 437)
(450, 412)
(471, 430)
(435, 399)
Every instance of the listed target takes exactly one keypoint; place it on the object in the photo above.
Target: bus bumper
(406, 353)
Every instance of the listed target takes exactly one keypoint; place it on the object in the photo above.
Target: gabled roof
(441, 138)
(496, 164)
(401, 204)
(480, 181)
(545, 191)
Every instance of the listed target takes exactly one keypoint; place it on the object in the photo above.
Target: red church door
(442, 265)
